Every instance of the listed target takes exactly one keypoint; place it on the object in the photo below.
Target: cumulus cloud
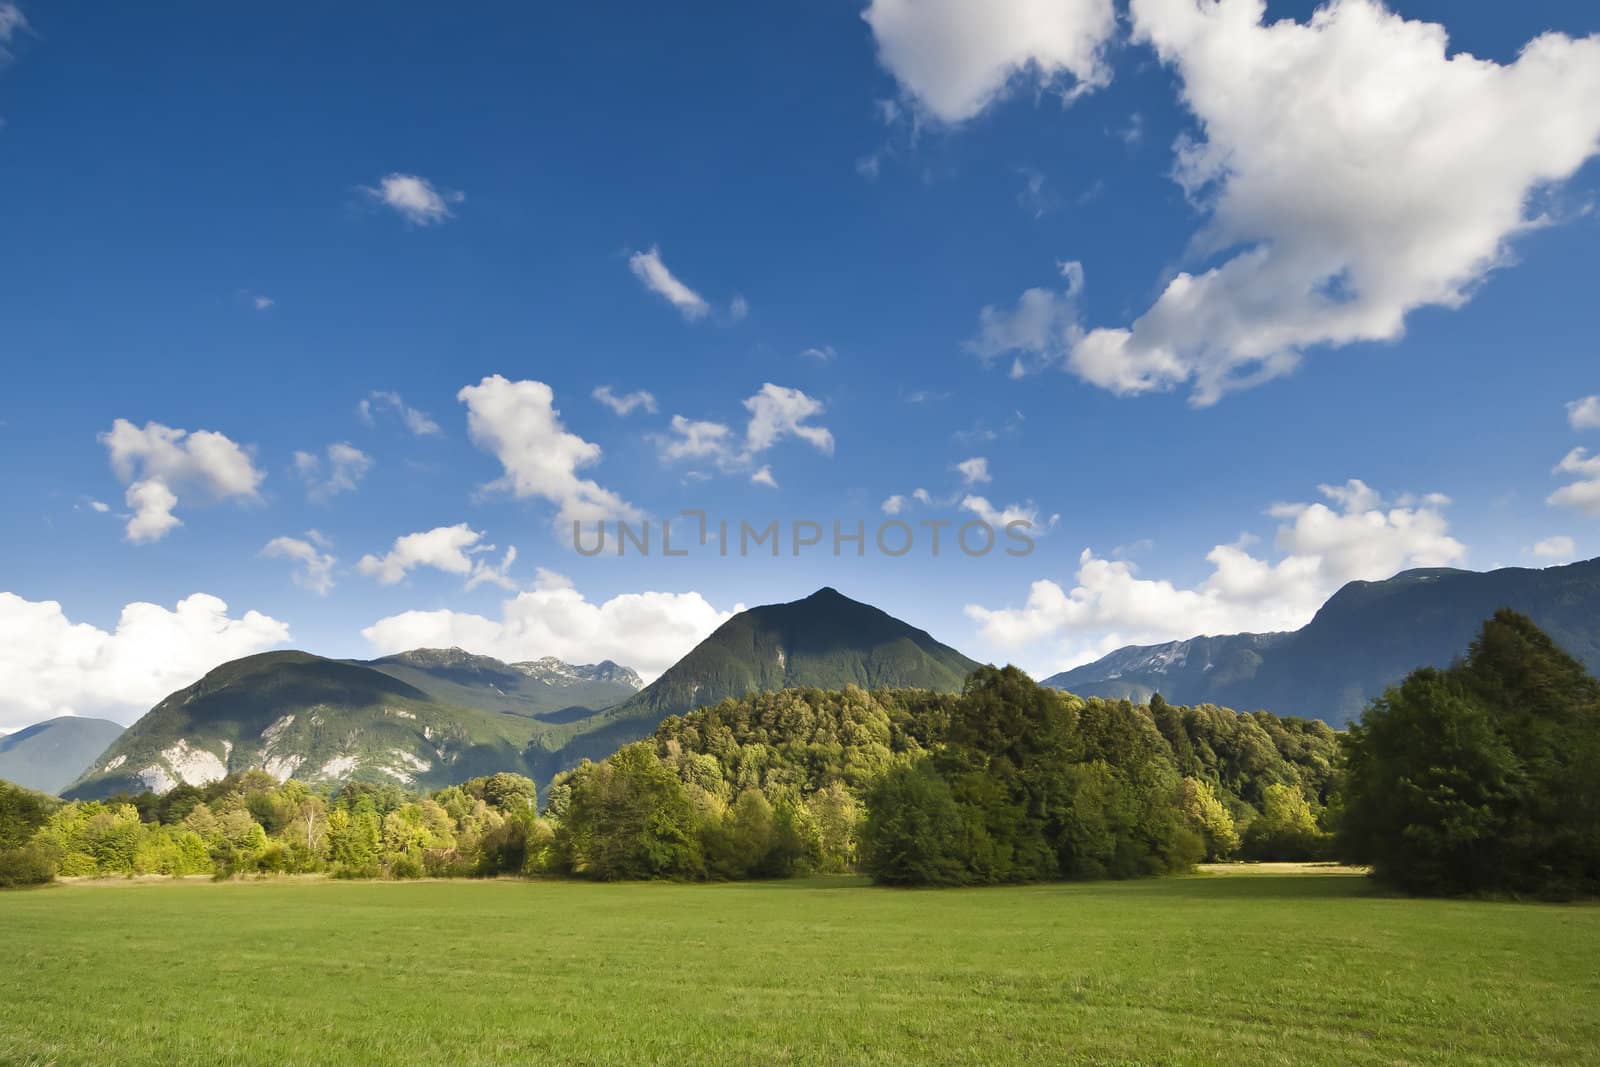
(445, 548)
(1351, 170)
(313, 567)
(52, 666)
(1584, 414)
(646, 631)
(894, 505)
(518, 423)
(974, 471)
(953, 58)
(414, 199)
(628, 403)
(345, 468)
(1584, 493)
(776, 412)
(764, 477)
(1320, 548)
(653, 273)
(157, 462)
(1558, 547)
(381, 400)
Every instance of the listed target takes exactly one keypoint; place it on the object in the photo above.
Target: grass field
(1244, 968)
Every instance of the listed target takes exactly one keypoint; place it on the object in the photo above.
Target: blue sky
(250, 223)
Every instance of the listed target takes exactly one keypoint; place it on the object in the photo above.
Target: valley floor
(1248, 968)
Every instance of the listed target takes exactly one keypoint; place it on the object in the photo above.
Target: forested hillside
(768, 785)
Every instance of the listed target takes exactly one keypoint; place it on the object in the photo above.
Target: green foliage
(1484, 778)
(629, 817)
(1206, 816)
(1286, 829)
(914, 833)
(1030, 785)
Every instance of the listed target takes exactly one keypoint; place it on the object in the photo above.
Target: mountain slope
(48, 755)
(539, 689)
(293, 714)
(826, 641)
(1367, 636)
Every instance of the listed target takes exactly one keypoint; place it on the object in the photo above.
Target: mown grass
(1242, 969)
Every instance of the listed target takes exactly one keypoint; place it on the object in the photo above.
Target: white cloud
(697, 439)
(1352, 171)
(1584, 414)
(12, 22)
(738, 309)
(646, 631)
(764, 477)
(894, 505)
(445, 548)
(1320, 549)
(776, 412)
(100, 506)
(628, 403)
(418, 422)
(262, 303)
(1583, 494)
(518, 423)
(157, 462)
(415, 199)
(953, 58)
(486, 573)
(346, 466)
(974, 471)
(1558, 547)
(1042, 330)
(52, 666)
(822, 353)
(313, 567)
(1000, 518)
(649, 269)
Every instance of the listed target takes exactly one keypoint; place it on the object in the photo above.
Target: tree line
(1481, 778)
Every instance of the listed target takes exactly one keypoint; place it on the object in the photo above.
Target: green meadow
(1235, 968)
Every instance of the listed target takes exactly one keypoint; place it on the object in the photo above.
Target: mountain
(425, 718)
(48, 755)
(545, 689)
(432, 717)
(826, 641)
(1368, 636)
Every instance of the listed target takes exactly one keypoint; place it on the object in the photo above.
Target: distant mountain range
(48, 755)
(432, 717)
(1368, 636)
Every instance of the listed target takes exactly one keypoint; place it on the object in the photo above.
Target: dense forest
(768, 786)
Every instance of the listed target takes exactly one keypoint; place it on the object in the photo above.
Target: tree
(1484, 778)
(1286, 829)
(914, 833)
(1207, 817)
(629, 817)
